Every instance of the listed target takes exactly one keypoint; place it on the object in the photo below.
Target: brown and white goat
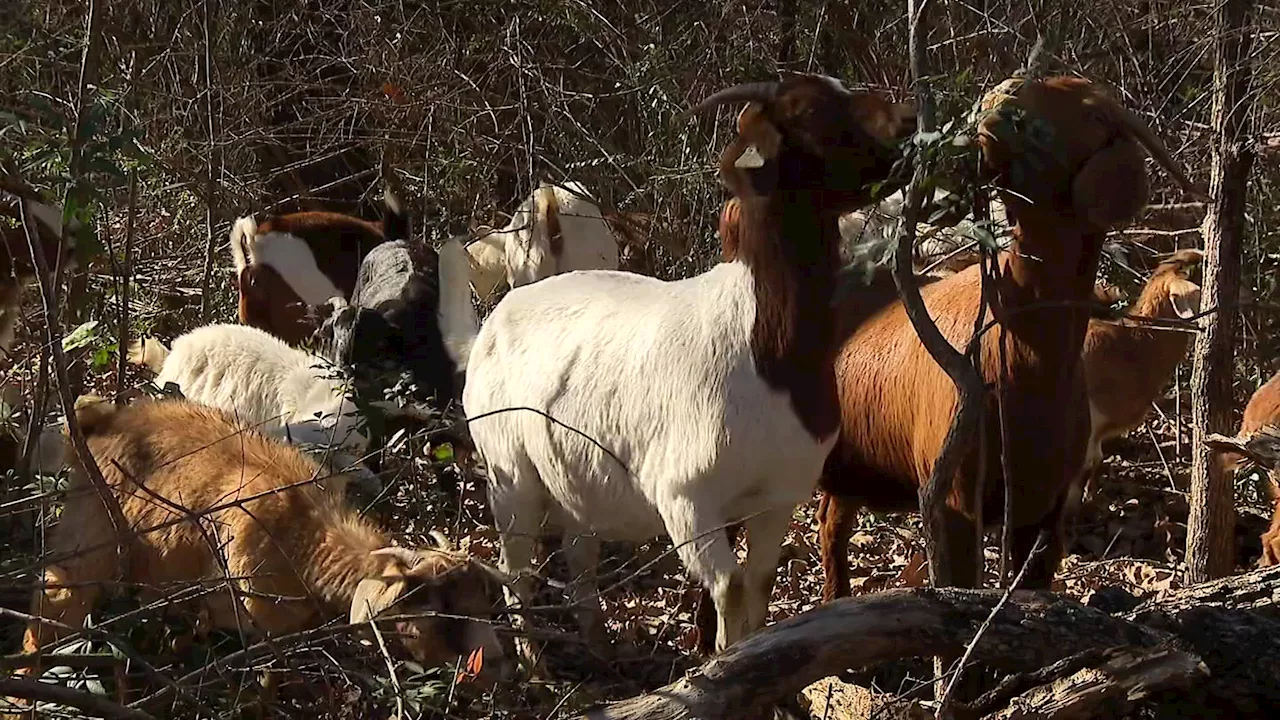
(288, 264)
(209, 503)
(1062, 195)
(749, 344)
(1126, 366)
(16, 266)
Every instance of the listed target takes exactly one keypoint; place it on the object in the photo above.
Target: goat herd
(610, 405)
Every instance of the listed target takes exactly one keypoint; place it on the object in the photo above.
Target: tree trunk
(77, 193)
(1210, 529)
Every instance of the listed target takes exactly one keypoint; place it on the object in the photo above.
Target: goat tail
(93, 412)
(458, 323)
(243, 233)
(148, 352)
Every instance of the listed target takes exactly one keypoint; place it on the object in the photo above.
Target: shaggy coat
(678, 407)
(1064, 195)
(212, 503)
(287, 264)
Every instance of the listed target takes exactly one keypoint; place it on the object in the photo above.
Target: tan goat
(1062, 190)
(1263, 409)
(1126, 366)
(185, 474)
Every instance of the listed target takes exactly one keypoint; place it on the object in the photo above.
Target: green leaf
(80, 337)
(443, 452)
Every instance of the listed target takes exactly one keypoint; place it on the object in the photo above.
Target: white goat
(261, 380)
(712, 399)
(555, 230)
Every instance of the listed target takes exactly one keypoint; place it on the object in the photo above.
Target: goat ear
(1184, 295)
(762, 140)
(373, 595)
(1111, 187)
(884, 120)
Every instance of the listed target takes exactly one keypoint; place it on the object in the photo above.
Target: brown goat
(288, 264)
(1263, 409)
(1063, 194)
(16, 267)
(1126, 367)
(207, 500)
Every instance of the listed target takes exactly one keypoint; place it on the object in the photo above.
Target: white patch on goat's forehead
(291, 256)
(835, 83)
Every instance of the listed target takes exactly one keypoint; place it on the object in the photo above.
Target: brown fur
(1263, 409)
(338, 242)
(729, 219)
(1127, 366)
(299, 554)
(825, 149)
(898, 404)
(1271, 538)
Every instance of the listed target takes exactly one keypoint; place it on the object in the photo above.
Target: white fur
(264, 382)
(456, 315)
(287, 254)
(662, 375)
(243, 234)
(488, 258)
(589, 242)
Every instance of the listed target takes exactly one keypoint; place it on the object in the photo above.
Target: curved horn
(442, 542)
(493, 572)
(1143, 134)
(746, 92)
(404, 554)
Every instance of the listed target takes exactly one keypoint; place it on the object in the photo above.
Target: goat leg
(835, 525)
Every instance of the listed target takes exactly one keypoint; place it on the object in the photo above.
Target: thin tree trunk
(1210, 529)
(78, 283)
(211, 187)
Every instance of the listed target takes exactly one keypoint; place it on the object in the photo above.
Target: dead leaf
(916, 573)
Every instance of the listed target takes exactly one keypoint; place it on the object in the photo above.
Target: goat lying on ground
(255, 376)
(555, 230)
(16, 266)
(712, 398)
(1062, 195)
(1126, 367)
(294, 556)
(287, 264)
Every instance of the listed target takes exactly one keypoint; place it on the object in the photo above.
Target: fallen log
(1229, 625)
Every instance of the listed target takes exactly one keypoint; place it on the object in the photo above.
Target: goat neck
(344, 556)
(791, 244)
(1051, 264)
